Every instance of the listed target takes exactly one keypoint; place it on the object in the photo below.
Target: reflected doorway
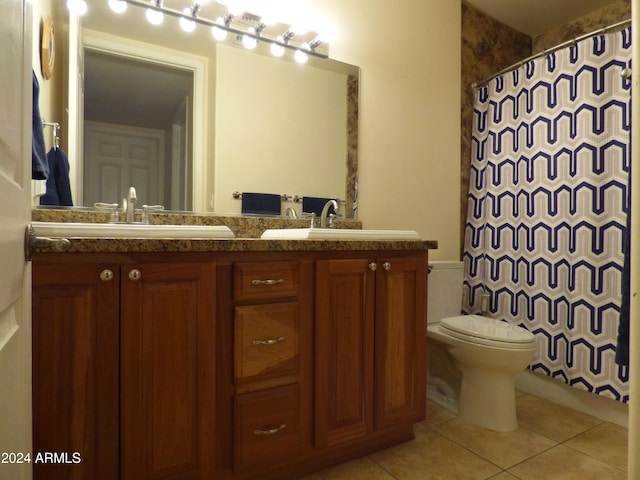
(137, 131)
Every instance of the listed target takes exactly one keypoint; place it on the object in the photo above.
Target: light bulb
(186, 24)
(118, 6)
(277, 50)
(154, 17)
(77, 7)
(218, 33)
(249, 42)
(300, 56)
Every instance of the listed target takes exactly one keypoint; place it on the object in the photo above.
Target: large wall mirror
(190, 121)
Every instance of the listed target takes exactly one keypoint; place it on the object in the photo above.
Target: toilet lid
(487, 328)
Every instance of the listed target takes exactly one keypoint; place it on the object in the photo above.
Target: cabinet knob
(106, 275)
(373, 266)
(386, 266)
(135, 274)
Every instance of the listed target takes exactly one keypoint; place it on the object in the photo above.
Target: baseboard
(598, 406)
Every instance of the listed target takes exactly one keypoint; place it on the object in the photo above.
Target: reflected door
(117, 158)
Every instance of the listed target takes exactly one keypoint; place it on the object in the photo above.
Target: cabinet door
(75, 370)
(400, 365)
(167, 371)
(344, 350)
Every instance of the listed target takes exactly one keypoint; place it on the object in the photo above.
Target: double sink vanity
(223, 348)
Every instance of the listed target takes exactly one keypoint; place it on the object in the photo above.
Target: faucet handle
(132, 197)
(112, 207)
(146, 209)
(313, 219)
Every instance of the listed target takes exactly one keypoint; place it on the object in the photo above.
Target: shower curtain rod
(549, 50)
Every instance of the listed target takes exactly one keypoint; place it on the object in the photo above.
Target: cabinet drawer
(267, 426)
(255, 281)
(266, 340)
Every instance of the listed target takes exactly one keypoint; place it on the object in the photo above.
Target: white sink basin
(337, 234)
(129, 230)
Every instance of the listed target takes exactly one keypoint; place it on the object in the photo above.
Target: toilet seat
(487, 331)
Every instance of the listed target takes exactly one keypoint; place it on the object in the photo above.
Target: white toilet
(488, 352)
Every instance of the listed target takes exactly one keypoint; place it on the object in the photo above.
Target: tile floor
(551, 442)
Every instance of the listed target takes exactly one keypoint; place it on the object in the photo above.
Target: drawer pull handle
(271, 281)
(270, 431)
(268, 342)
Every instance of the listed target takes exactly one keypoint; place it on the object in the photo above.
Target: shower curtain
(548, 205)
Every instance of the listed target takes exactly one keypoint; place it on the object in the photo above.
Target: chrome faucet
(325, 211)
(290, 212)
(131, 205)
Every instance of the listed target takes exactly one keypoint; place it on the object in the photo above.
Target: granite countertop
(246, 229)
(131, 245)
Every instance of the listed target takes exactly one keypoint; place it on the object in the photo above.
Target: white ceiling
(534, 17)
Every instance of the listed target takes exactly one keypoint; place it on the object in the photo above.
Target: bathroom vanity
(225, 359)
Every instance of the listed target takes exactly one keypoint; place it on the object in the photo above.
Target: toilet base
(488, 399)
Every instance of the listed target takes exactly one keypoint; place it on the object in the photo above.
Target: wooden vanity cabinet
(370, 342)
(225, 365)
(123, 369)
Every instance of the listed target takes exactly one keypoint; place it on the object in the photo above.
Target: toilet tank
(444, 295)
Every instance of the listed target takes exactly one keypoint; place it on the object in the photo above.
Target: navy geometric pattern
(547, 207)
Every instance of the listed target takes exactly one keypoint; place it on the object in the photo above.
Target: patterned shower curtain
(548, 205)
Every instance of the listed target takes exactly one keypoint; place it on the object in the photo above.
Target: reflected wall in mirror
(248, 122)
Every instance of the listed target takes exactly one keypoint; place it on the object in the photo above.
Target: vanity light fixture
(250, 42)
(186, 23)
(289, 34)
(77, 7)
(249, 28)
(315, 43)
(118, 6)
(260, 27)
(277, 50)
(220, 33)
(154, 15)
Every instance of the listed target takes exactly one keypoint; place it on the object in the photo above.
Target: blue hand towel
(58, 185)
(316, 204)
(39, 165)
(261, 203)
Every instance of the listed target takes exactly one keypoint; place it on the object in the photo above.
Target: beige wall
(52, 91)
(409, 130)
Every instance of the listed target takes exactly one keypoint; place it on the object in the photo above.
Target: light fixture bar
(225, 26)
